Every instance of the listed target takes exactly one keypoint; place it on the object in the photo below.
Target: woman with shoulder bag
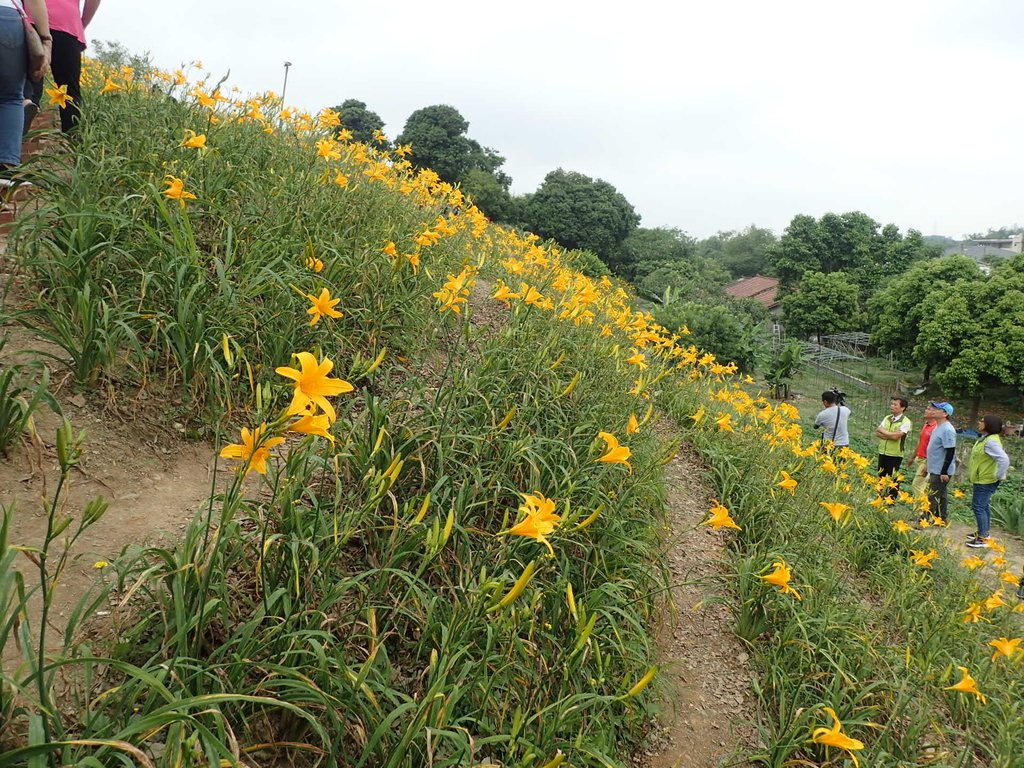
(15, 27)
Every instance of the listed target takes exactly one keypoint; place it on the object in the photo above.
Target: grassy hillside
(442, 548)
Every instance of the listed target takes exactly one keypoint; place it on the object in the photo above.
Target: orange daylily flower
(834, 737)
(540, 519)
(313, 425)
(967, 684)
(312, 385)
(632, 426)
(720, 517)
(253, 450)
(616, 453)
(176, 190)
(322, 305)
(780, 578)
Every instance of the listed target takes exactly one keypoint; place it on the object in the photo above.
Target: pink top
(66, 16)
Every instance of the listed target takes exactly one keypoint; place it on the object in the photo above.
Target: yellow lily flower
(540, 519)
(253, 450)
(901, 526)
(973, 562)
(312, 385)
(923, 559)
(632, 426)
(194, 140)
(59, 96)
(1006, 647)
(176, 190)
(834, 737)
(967, 684)
(616, 453)
(780, 578)
(995, 601)
(837, 510)
(720, 517)
(313, 425)
(322, 305)
(787, 483)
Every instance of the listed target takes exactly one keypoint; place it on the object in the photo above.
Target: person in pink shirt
(68, 20)
(920, 457)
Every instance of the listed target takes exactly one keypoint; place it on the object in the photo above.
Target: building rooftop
(759, 288)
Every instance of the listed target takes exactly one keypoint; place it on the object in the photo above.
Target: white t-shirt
(837, 433)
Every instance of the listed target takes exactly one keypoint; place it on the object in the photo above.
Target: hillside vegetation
(438, 543)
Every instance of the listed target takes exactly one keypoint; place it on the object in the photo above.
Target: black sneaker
(972, 535)
(977, 543)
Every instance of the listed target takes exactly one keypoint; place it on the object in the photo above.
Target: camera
(840, 396)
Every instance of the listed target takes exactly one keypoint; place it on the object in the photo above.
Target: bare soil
(707, 721)
(154, 485)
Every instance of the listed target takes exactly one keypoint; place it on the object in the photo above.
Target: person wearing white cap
(941, 456)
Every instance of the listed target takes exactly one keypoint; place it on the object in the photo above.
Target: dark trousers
(66, 67)
(888, 466)
(937, 501)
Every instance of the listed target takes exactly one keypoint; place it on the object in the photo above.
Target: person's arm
(41, 21)
(89, 10)
(997, 452)
(40, 18)
(950, 453)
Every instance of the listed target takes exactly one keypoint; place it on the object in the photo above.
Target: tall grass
(363, 602)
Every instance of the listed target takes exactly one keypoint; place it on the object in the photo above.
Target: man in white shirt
(833, 420)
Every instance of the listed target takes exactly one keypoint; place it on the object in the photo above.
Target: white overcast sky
(707, 116)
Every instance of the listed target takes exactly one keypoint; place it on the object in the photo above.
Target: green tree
(897, 309)
(580, 212)
(972, 333)
(488, 195)
(741, 254)
(437, 135)
(645, 250)
(716, 328)
(850, 243)
(362, 122)
(824, 303)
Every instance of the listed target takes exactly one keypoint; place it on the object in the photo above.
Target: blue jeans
(980, 506)
(13, 64)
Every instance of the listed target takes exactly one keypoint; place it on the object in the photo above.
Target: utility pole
(284, 88)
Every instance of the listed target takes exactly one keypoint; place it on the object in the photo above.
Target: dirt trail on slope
(707, 723)
(154, 485)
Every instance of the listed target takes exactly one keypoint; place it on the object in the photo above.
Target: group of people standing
(60, 25)
(935, 456)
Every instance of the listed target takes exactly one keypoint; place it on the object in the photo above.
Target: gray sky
(706, 116)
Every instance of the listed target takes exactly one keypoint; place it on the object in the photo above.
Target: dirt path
(955, 536)
(153, 484)
(708, 723)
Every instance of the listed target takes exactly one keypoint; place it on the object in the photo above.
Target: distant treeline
(840, 272)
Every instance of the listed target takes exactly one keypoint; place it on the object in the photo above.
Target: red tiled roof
(760, 288)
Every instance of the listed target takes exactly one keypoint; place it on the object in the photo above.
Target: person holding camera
(834, 419)
(941, 457)
(892, 434)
